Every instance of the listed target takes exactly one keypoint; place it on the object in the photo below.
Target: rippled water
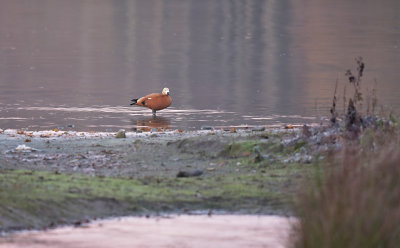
(108, 118)
(76, 64)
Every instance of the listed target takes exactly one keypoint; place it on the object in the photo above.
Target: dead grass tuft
(352, 199)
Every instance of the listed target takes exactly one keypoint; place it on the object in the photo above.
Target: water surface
(76, 64)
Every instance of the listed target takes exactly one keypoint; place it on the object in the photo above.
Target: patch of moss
(299, 145)
(250, 148)
(238, 149)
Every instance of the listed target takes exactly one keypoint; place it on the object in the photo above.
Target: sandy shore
(173, 231)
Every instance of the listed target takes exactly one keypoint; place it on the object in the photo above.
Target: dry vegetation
(353, 198)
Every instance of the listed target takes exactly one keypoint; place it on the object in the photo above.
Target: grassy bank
(34, 199)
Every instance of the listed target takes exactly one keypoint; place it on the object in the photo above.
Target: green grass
(32, 199)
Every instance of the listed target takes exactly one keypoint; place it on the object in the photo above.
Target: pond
(76, 64)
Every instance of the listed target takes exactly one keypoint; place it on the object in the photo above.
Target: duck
(154, 101)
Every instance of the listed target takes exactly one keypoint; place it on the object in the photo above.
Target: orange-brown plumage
(154, 101)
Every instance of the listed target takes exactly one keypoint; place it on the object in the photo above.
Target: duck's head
(165, 92)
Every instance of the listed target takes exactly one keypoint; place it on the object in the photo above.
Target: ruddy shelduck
(154, 101)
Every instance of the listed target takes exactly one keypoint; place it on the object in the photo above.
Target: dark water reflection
(77, 63)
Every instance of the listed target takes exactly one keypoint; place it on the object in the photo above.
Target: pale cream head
(165, 91)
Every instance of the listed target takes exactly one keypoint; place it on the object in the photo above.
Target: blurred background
(76, 64)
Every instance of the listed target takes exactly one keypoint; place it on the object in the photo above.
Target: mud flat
(168, 231)
(55, 178)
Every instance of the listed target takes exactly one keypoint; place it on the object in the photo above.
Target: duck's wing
(143, 101)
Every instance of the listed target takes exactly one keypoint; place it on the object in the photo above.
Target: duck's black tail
(134, 101)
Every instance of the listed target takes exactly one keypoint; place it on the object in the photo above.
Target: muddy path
(54, 178)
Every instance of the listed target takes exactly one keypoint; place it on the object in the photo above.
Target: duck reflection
(154, 123)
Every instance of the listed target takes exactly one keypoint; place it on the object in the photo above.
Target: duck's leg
(154, 113)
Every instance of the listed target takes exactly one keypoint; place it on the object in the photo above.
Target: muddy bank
(139, 154)
(168, 231)
(54, 178)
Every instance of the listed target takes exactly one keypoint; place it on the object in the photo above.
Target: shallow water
(76, 64)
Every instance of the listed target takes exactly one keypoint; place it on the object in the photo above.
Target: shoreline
(145, 131)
